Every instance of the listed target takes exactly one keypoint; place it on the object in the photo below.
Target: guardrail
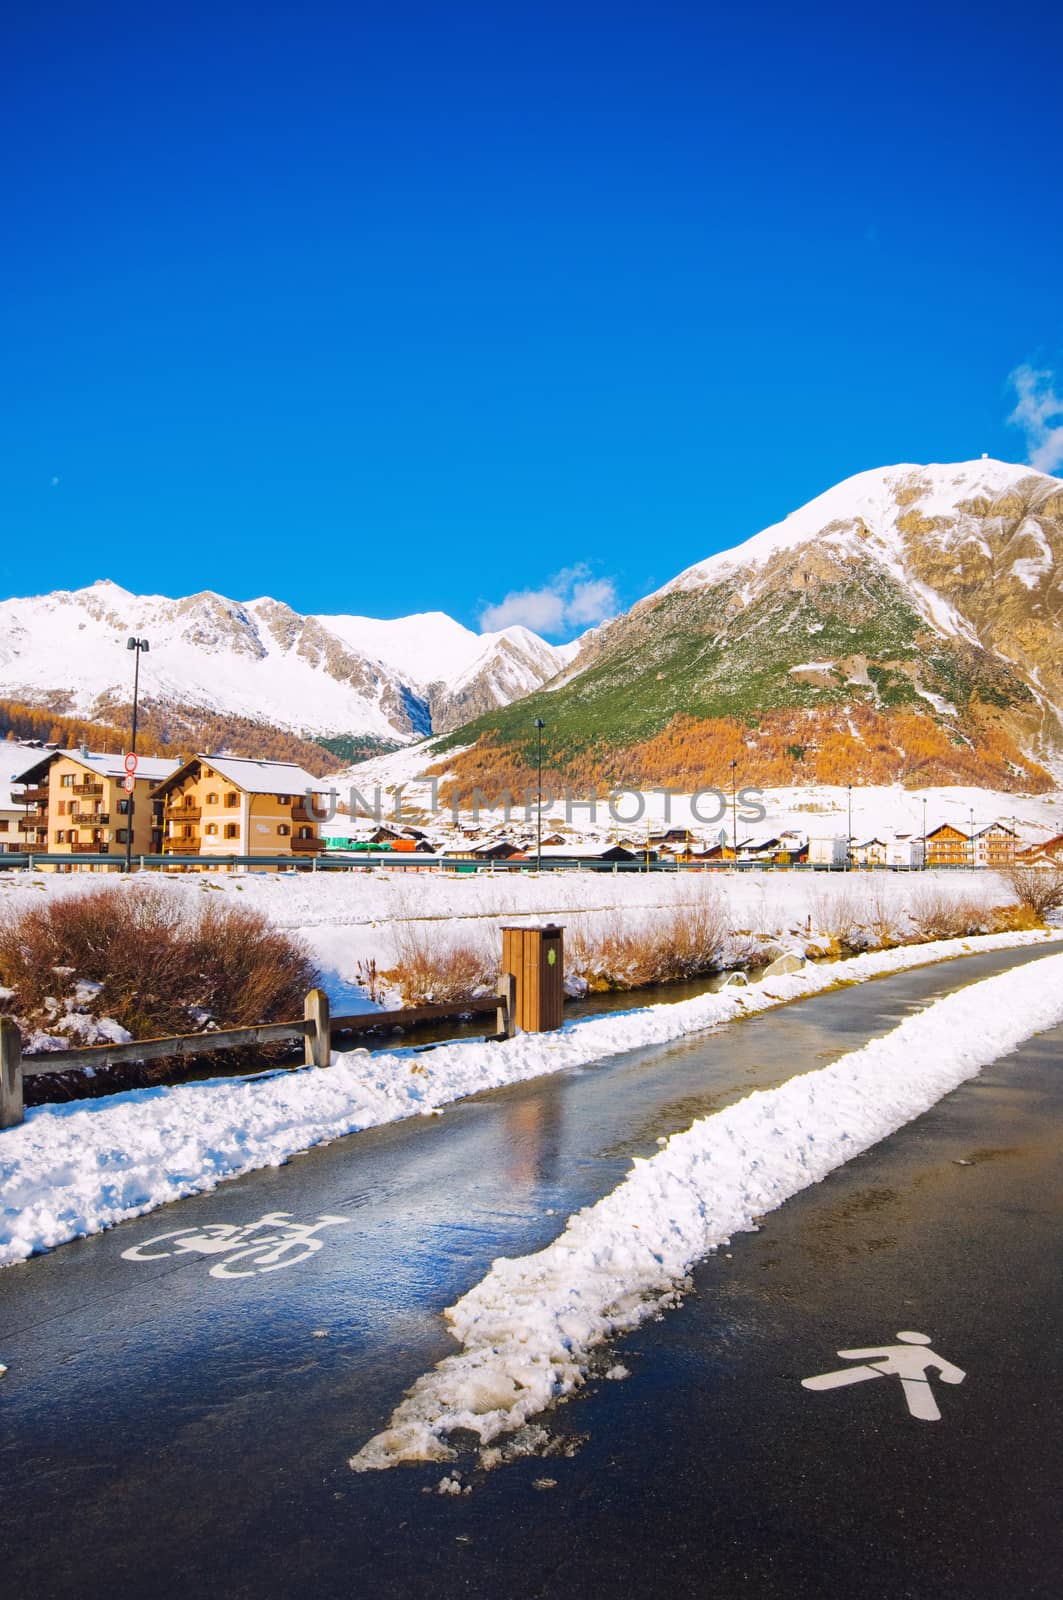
(315, 1029)
(349, 861)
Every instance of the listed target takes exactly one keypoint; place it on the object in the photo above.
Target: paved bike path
(167, 1427)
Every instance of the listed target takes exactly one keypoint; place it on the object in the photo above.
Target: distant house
(905, 851)
(384, 836)
(870, 853)
(76, 804)
(1049, 850)
(994, 846)
(948, 846)
(234, 806)
(673, 836)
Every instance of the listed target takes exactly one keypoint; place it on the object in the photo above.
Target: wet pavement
(166, 1430)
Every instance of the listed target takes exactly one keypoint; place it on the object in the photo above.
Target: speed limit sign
(131, 763)
(127, 783)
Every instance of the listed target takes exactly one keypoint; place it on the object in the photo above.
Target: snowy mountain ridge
(259, 659)
(906, 625)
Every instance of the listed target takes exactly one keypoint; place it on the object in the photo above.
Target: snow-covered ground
(528, 1328)
(74, 1169)
(351, 919)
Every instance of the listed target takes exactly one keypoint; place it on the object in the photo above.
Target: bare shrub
(937, 914)
(684, 942)
(885, 922)
(1038, 887)
(837, 918)
(433, 969)
(162, 965)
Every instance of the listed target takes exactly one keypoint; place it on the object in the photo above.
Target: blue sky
(394, 308)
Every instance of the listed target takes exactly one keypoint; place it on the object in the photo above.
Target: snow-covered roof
(262, 777)
(153, 768)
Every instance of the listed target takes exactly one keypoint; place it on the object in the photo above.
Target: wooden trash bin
(536, 958)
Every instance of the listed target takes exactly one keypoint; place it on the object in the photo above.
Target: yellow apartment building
(234, 806)
(75, 804)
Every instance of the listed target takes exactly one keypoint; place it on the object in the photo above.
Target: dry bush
(685, 942)
(885, 922)
(836, 917)
(432, 969)
(164, 966)
(936, 914)
(1015, 919)
(1037, 887)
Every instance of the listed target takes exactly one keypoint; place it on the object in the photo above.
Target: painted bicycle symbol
(269, 1244)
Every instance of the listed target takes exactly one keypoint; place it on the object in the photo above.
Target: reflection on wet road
(170, 1430)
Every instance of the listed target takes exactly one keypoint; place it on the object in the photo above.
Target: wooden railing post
(317, 1050)
(11, 1111)
(507, 1005)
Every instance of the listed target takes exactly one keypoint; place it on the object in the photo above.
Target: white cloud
(1038, 406)
(572, 599)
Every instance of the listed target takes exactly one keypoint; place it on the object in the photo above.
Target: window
(284, 799)
(67, 780)
(122, 835)
(3, 824)
(60, 837)
(211, 828)
(232, 830)
(123, 806)
(283, 829)
(304, 833)
(187, 831)
(232, 799)
(212, 798)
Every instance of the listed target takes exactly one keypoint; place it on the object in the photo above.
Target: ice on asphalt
(527, 1330)
(71, 1170)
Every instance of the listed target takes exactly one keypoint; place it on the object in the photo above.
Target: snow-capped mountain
(906, 625)
(460, 674)
(392, 682)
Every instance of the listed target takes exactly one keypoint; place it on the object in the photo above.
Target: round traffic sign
(127, 783)
(131, 762)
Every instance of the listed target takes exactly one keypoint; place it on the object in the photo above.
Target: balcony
(87, 788)
(181, 847)
(184, 814)
(37, 795)
(305, 847)
(95, 849)
(301, 814)
(90, 819)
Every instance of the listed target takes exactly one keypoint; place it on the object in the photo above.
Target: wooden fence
(316, 1029)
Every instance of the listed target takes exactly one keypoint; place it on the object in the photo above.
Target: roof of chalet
(250, 776)
(105, 766)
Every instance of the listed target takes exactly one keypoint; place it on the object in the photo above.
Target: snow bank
(74, 1169)
(528, 1327)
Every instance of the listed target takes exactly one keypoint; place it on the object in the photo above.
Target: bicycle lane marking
(284, 1243)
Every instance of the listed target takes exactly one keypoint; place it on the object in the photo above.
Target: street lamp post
(971, 816)
(539, 726)
(849, 841)
(734, 810)
(139, 647)
(924, 832)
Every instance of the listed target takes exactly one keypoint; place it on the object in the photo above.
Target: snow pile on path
(74, 1169)
(528, 1327)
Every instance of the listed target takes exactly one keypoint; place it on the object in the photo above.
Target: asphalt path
(166, 1430)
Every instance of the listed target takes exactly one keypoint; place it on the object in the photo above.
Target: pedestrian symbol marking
(269, 1244)
(911, 1361)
